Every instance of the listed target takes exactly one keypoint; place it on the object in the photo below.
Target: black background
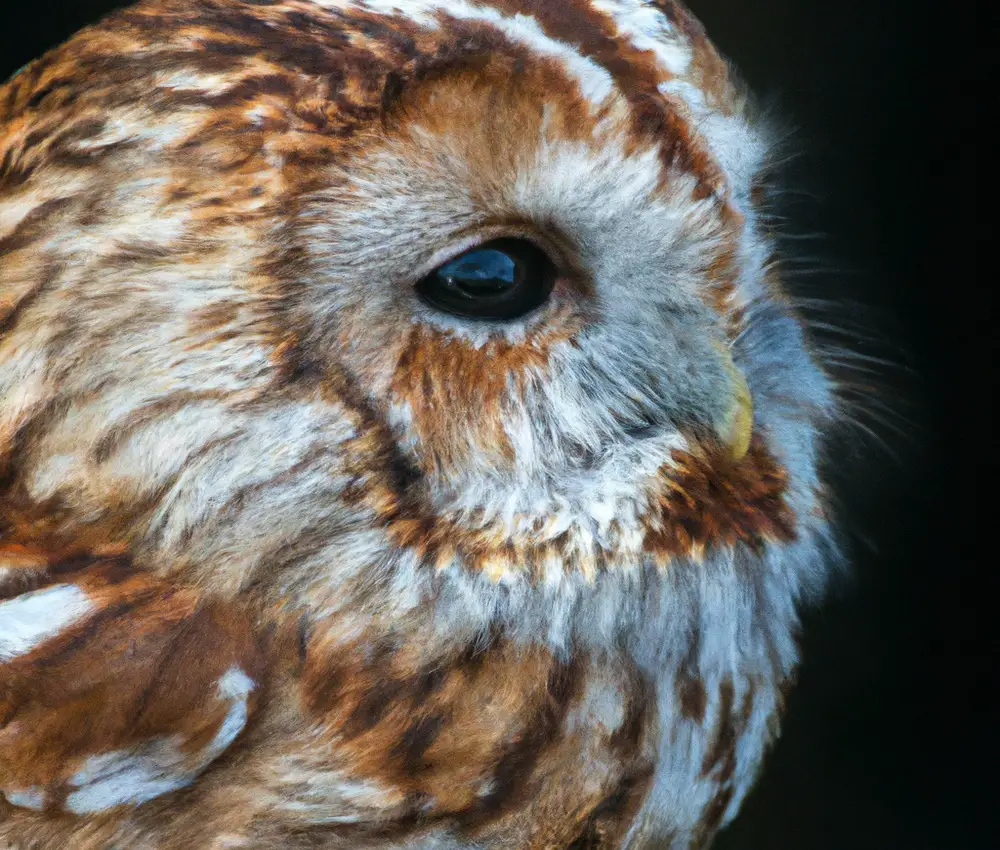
(887, 742)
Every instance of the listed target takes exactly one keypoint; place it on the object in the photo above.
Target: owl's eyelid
(487, 233)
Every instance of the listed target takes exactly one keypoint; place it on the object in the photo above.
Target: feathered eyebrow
(523, 28)
(603, 51)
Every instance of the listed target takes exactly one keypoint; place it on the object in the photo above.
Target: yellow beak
(737, 425)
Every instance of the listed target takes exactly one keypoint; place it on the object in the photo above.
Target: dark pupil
(502, 279)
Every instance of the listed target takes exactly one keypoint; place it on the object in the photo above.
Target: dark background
(887, 743)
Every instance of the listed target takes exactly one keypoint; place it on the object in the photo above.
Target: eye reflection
(482, 272)
(503, 279)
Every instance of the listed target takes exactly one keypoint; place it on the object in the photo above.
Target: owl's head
(503, 257)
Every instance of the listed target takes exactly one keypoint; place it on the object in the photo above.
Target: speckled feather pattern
(290, 560)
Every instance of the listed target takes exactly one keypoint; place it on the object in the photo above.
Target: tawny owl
(406, 440)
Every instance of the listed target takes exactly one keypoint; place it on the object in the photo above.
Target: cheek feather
(702, 501)
(706, 499)
(720, 279)
(457, 393)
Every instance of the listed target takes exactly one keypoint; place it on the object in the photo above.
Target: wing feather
(117, 687)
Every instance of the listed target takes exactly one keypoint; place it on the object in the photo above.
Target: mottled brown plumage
(292, 558)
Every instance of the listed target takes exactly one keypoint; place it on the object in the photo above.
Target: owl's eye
(502, 279)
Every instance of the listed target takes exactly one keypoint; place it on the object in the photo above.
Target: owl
(406, 438)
